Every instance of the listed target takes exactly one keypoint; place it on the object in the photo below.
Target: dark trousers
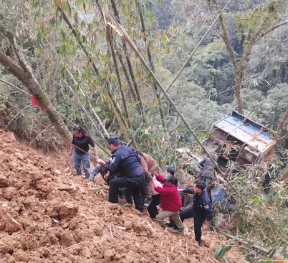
(152, 208)
(132, 185)
(187, 213)
(184, 214)
(198, 222)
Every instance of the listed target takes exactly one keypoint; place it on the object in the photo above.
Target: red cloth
(36, 103)
(170, 199)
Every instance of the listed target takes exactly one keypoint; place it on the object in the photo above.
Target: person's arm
(143, 164)
(71, 146)
(163, 190)
(71, 149)
(153, 167)
(188, 191)
(92, 143)
(160, 178)
(113, 167)
(95, 153)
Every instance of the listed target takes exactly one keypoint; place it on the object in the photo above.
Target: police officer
(126, 164)
(201, 210)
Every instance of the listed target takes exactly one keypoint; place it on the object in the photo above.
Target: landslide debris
(41, 223)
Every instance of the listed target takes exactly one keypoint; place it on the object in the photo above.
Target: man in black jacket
(126, 163)
(201, 210)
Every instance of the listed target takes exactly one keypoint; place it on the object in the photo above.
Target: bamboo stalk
(264, 250)
(147, 42)
(122, 33)
(130, 68)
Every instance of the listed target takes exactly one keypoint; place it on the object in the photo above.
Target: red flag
(36, 103)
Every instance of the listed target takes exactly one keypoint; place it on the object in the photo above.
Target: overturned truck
(239, 139)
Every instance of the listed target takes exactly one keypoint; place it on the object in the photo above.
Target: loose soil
(41, 223)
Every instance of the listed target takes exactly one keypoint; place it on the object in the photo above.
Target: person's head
(168, 179)
(170, 170)
(199, 187)
(78, 131)
(113, 142)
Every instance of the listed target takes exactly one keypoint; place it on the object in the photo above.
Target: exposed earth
(41, 223)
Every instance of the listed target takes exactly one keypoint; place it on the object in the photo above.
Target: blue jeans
(85, 159)
(94, 172)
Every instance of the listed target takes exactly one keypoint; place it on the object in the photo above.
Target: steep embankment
(40, 223)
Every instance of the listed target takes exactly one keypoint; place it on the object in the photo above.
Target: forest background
(103, 64)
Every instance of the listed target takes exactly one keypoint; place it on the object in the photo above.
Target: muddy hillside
(48, 215)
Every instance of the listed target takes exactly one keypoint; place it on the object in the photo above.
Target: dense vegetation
(86, 62)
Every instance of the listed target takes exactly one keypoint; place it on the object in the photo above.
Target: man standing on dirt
(125, 161)
(80, 150)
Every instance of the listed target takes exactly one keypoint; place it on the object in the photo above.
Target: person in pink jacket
(156, 200)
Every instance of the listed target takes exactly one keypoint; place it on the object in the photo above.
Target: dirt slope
(39, 223)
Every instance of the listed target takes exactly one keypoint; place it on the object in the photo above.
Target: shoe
(179, 231)
(200, 243)
(172, 225)
(164, 227)
(84, 176)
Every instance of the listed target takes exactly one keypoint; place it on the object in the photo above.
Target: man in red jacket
(170, 202)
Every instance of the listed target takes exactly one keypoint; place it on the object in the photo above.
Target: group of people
(133, 175)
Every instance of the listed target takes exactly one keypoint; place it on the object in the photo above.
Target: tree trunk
(147, 42)
(130, 67)
(282, 122)
(237, 94)
(27, 78)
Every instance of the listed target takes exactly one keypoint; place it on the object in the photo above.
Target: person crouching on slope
(170, 202)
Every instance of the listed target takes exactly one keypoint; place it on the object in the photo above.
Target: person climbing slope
(80, 150)
(201, 210)
(170, 202)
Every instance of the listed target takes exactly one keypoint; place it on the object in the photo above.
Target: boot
(179, 231)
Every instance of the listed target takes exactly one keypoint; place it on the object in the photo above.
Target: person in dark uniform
(201, 211)
(80, 150)
(208, 171)
(125, 163)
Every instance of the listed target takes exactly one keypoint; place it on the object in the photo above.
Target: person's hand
(100, 161)
(106, 176)
(205, 226)
(180, 190)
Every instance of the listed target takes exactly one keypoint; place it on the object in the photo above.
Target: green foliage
(257, 20)
(221, 251)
